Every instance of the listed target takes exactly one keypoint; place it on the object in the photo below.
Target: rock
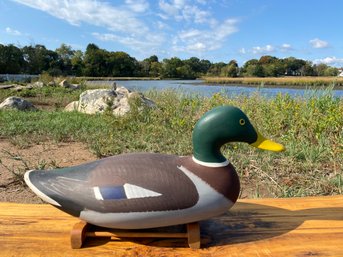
(38, 84)
(116, 101)
(122, 108)
(73, 106)
(52, 84)
(18, 103)
(19, 88)
(96, 101)
(8, 86)
(122, 90)
(64, 83)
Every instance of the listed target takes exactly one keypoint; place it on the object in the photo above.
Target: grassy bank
(281, 81)
(311, 130)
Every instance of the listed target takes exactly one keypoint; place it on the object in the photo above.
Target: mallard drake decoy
(146, 190)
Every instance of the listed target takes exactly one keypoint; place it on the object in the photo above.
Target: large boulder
(116, 101)
(96, 101)
(17, 103)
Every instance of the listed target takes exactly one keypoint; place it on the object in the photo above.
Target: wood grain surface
(296, 227)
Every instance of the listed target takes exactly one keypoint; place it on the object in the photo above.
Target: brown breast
(223, 179)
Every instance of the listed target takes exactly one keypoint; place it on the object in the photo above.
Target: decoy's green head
(222, 125)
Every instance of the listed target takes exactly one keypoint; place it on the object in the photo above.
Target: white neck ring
(211, 164)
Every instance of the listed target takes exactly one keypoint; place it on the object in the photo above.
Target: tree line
(97, 62)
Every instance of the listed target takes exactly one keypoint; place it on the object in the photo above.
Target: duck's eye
(242, 122)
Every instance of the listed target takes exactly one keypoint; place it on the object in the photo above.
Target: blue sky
(216, 30)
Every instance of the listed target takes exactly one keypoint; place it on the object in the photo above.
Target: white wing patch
(133, 191)
(97, 193)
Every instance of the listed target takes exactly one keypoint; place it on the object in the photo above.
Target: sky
(215, 30)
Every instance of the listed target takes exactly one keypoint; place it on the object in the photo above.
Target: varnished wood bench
(310, 226)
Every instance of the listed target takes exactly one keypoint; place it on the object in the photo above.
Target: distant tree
(331, 71)
(65, 53)
(195, 66)
(121, 64)
(38, 59)
(230, 70)
(186, 72)
(155, 69)
(11, 59)
(95, 63)
(170, 67)
(307, 69)
(205, 65)
(77, 64)
(267, 59)
(253, 68)
(293, 66)
(149, 67)
(215, 69)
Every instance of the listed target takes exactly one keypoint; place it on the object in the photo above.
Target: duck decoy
(148, 190)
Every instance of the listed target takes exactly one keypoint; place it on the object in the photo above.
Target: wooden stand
(81, 231)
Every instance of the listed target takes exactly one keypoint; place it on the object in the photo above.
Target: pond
(198, 87)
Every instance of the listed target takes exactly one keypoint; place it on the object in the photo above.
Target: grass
(53, 98)
(279, 81)
(22, 167)
(311, 128)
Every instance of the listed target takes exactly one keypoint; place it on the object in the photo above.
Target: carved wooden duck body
(146, 190)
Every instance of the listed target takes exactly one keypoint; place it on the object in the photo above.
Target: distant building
(340, 72)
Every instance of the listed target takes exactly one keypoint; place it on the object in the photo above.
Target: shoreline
(311, 87)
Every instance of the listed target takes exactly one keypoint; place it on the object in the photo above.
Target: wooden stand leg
(193, 231)
(78, 234)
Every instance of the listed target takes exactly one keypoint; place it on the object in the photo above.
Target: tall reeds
(280, 81)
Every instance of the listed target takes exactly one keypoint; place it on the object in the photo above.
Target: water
(197, 87)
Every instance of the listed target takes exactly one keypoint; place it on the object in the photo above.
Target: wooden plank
(298, 227)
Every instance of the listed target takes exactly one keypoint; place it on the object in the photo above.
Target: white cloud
(197, 47)
(13, 32)
(242, 51)
(195, 40)
(181, 11)
(318, 43)
(137, 5)
(286, 47)
(135, 43)
(329, 61)
(190, 34)
(92, 12)
(263, 49)
(267, 49)
(173, 25)
(168, 9)
(200, 16)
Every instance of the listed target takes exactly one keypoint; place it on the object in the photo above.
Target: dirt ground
(44, 155)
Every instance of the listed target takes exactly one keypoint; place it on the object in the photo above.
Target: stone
(52, 84)
(37, 84)
(73, 106)
(122, 90)
(116, 101)
(19, 88)
(7, 86)
(64, 83)
(96, 101)
(17, 103)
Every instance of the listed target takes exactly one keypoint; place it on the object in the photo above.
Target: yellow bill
(267, 144)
